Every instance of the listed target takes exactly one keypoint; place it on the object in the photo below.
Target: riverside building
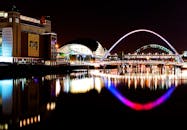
(25, 39)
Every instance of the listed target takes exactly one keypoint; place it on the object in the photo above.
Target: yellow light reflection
(6, 126)
(35, 119)
(28, 121)
(31, 120)
(153, 81)
(48, 106)
(24, 122)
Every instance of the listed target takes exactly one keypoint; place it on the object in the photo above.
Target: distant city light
(185, 53)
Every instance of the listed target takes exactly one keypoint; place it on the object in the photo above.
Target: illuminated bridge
(167, 57)
(146, 63)
(167, 62)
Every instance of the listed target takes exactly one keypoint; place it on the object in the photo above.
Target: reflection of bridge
(143, 64)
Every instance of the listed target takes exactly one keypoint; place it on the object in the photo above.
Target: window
(10, 20)
(16, 20)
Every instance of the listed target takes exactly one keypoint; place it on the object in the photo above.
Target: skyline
(108, 21)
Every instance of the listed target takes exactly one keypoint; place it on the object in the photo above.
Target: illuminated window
(16, 20)
(10, 20)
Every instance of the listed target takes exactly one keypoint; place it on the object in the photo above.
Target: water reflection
(151, 81)
(22, 101)
(81, 83)
(144, 81)
(138, 106)
(28, 101)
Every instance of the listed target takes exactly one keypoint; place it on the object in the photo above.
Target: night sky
(107, 21)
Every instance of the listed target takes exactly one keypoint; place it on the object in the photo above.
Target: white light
(20, 123)
(3, 14)
(81, 85)
(58, 87)
(38, 118)
(6, 59)
(48, 106)
(98, 84)
(29, 19)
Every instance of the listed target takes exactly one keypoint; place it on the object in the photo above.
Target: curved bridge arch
(154, 46)
(142, 30)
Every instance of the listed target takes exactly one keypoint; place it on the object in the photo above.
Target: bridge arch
(142, 30)
(154, 46)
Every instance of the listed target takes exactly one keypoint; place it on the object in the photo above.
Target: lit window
(16, 20)
(10, 20)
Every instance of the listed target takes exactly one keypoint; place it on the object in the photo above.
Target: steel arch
(142, 30)
(154, 46)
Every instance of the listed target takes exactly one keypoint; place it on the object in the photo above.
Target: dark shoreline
(27, 70)
(24, 70)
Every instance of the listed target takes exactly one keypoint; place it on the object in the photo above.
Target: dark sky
(107, 21)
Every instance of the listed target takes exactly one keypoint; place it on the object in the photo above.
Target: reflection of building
(18, 96)
(22, 103)
(22, 36)
(81, 49)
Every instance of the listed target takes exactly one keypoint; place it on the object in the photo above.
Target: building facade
(25, 37)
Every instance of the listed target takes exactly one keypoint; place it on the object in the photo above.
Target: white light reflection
(98, 84)
(66, 84)
(135, 82)
(81, 85)
(58, 87)
(184, 76)
(153, 81)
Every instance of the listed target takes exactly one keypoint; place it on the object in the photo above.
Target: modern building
(25, 38)
(81, 50)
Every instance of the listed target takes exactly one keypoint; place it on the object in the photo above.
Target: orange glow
(56, 46)
(24, 122)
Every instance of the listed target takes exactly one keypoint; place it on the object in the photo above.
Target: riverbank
(23, 70)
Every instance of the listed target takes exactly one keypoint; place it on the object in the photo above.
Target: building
(25, 38)
(79, 50)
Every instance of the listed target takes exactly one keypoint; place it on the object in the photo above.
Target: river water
(93, 99)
